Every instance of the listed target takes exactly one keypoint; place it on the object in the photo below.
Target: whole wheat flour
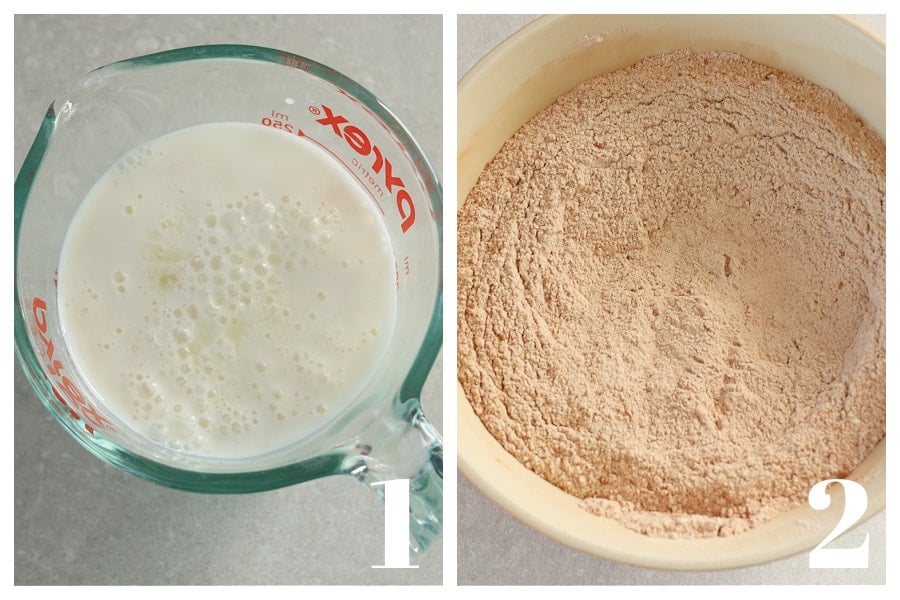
(671, 293)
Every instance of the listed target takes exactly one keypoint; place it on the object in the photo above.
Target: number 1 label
(855, 503)
(396, 525)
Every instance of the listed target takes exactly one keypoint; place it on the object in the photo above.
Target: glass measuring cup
(382, 434)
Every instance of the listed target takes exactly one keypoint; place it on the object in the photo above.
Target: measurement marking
(278, 120)
(292, 61)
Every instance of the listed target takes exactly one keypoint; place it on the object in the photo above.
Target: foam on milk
(227, 288)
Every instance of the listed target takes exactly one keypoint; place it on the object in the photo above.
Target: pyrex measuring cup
(381, 435)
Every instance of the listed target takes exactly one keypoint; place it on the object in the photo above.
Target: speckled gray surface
(79, 521)
(494, 548)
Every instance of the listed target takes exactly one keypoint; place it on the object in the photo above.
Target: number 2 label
(855, 503)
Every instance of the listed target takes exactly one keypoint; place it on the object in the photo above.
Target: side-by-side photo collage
(631, 332)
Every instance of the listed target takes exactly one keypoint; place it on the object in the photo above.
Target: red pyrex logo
(360, 143)
(77, 406)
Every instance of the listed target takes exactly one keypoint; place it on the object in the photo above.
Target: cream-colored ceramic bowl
(525, 74)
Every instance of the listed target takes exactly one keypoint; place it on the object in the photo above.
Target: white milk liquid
(227, 288)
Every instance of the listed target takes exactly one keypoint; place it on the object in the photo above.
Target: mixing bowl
(528, 72)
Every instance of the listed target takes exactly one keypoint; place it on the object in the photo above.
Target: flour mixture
(672, 293)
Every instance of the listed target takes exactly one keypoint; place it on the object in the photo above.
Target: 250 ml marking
(279, 120)
(855, 503)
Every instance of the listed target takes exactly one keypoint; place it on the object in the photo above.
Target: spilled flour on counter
(671, 293)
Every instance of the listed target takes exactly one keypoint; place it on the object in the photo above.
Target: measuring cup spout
(403, 444)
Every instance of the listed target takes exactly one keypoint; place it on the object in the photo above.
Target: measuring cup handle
(403, 444)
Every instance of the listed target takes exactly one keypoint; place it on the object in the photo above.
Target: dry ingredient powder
(671, 293)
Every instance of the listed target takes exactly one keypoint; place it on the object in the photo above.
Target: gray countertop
(80, 521)
(495, 548)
